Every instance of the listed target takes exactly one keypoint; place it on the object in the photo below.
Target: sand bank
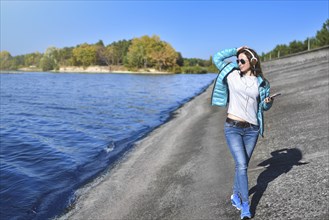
(106, 69)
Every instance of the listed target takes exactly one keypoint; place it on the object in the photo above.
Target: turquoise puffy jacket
(221, 92)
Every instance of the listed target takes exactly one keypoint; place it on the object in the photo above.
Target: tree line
(144, 52)
(321, 39)
(138, 53)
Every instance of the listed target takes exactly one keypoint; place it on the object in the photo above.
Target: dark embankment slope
(183, 169)
(294, 183)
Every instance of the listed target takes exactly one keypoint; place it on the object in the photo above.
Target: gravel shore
(183, 169)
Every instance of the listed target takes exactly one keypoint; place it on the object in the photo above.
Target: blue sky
(195, 28)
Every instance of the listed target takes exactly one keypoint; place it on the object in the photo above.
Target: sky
(196, 29)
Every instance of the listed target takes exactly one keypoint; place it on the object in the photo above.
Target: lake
(60, 131)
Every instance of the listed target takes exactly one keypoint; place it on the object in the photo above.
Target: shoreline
(91, 70)
(105, 69)
(126, 186)
(97, 70)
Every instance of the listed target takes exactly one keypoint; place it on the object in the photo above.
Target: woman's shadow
(281, 162)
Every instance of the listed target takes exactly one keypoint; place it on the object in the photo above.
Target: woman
(244, 89)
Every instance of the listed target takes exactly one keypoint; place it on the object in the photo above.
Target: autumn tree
(5, 60)
(163, 55)
(99, 47)
(107, 55)
(151, 52)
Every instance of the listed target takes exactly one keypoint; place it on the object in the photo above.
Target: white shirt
(243, 96)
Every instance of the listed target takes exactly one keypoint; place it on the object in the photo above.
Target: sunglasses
(241, 60)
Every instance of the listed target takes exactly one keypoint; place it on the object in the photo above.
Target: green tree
(321, 39)
(100, 43)
(180, 60)
(322, 36)
(211, 67)
(85, 55)
(65, 56)
(281, 50)
(296, 46)
(137, 53)
(195, 62)
(120, 51)
(18, 61)
(49, 61)
(32, 59)
(312, 42)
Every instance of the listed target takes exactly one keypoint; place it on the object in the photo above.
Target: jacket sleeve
(219, 58)
(267, 106)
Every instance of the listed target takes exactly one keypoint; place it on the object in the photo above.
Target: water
(59, 131)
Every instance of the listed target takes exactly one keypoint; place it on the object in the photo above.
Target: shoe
(245, 211)
(236, 201)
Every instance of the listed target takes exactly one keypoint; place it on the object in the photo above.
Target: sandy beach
(106, 69)
(184, 170)
(90, 69)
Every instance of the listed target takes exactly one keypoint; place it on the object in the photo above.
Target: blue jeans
(241, 142)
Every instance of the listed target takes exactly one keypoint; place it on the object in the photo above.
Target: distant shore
(106, 69)
(91, 69)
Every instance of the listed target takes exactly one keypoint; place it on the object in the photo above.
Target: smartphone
(275, 95)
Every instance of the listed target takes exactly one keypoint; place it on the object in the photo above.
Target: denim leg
(234, 139)
(236, 189)
(250, 138)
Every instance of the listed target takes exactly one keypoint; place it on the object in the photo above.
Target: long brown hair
(255, 69)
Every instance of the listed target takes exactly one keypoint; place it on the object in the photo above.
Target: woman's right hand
(241, 48)
(269, 99)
